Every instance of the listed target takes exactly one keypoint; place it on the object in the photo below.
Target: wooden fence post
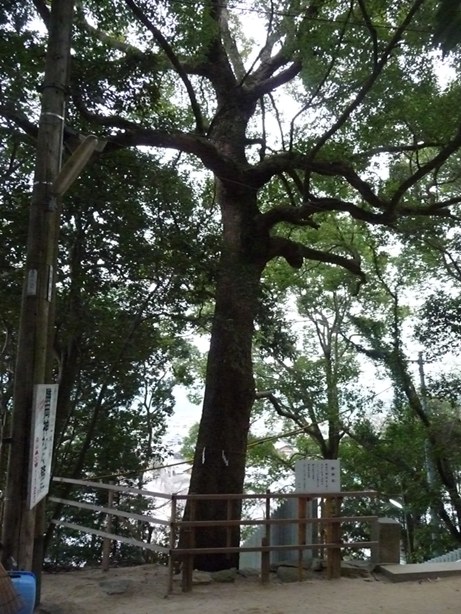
(188, 560)
(333, 506)
(106, 544)
(302, 508)
(265, 543)
(171, 557)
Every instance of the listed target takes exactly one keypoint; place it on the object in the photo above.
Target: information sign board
(43, 421)
(313, 476)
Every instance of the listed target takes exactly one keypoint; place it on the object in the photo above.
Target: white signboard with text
(314, 476)
(43, 421)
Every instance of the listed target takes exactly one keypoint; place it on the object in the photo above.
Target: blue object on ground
(25, 585)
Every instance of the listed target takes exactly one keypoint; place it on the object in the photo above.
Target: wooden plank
(360, 544)
(109, 510)
(119, 538)
(215, 497)
(272, 521)
(326, 495)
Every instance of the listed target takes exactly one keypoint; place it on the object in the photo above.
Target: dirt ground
(145, 586)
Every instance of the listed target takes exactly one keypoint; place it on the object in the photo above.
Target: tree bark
(219, 462)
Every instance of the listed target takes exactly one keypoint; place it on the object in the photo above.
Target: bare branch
(285, 412)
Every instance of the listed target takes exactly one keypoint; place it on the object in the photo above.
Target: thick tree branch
(43, 10)
(230, 45)
(439, 209)
(301, 216)
(287, 162)
(298, 216)
(261, 87)
(217, 67)
(295, 253)
(321, 205)
(132, 135)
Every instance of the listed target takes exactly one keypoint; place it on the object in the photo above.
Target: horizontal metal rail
(111, 536)
(114, 487)
(109, 510)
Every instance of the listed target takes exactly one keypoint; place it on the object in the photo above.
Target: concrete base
(419, 571)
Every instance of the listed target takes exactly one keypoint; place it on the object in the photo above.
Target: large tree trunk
(219, 463)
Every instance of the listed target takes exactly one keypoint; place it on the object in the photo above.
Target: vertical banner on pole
(43, 421)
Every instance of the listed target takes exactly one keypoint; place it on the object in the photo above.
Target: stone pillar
(389, 541)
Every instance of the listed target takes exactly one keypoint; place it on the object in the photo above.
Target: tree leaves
(448, 24)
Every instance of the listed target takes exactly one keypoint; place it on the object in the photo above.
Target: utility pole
(37, 304)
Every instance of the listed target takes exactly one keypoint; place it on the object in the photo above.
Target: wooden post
(229, 529)
(375, 538)
(265, 543)
(302, 507)
(333, 506)
(171, 558)
(188, 561)
(106, 544)
(39, 287)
